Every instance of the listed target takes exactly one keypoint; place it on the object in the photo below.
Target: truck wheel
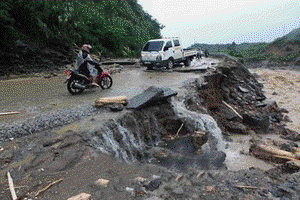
(187, 62)
(170, 64)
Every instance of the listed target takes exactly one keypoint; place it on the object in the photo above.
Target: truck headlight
(158, 58)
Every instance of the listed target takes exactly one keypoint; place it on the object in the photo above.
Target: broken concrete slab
(150, 96)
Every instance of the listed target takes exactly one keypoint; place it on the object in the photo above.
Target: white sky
(224, 21)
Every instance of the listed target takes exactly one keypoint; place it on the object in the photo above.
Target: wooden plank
(112, 99)
(9, 113)
(11, 186)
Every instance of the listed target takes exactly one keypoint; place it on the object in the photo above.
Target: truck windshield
(153, 46)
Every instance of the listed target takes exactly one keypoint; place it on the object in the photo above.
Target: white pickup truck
(165, 53)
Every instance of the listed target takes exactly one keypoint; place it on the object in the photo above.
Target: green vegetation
(115, 28)
(284, 49)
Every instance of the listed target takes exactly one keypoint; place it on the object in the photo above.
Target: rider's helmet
(87, 48)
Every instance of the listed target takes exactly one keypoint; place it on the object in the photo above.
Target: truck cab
(163, 53)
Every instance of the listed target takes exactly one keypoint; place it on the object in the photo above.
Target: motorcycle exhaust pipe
(79, 86)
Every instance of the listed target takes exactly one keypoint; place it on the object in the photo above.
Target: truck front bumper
(154, 63)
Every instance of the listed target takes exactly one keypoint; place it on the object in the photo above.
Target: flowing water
(125, 139)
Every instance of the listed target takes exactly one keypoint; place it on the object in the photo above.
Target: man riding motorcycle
(86, 65)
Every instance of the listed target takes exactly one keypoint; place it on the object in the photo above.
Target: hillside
(282, 51)
(39, 34)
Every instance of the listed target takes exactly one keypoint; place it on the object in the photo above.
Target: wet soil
(37, 160)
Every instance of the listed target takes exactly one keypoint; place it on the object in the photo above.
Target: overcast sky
(224, 21)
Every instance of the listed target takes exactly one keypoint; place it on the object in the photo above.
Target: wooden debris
(82, 196)
(273, 150)
(226, 104)
(9, 113)
(140, 179)
(48, 186)
(246, 186)
(102, 182)
(178, 131)
(111, 100)
(11, 187)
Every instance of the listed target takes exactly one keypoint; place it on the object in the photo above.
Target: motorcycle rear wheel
(72, 89)
(106, 82)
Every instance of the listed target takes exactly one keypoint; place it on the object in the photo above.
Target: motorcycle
(77, 82)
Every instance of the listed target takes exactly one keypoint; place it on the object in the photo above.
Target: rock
(244, 90)
(256, 75)
(116, 107)
(153, 185)
(82, 196)
(256, 120)
(283, 110)
(287, 119)
(6, 154)
(236, 127)
(199, 138)
(290, 135)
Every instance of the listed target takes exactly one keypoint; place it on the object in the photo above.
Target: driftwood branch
(178, 131)
(48, 186)
(226, 104)
(245, 186)
(11, 186)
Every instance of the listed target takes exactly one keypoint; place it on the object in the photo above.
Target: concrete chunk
(150, 96)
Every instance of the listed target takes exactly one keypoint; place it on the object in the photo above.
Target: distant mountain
(282, 51)
(293, 36)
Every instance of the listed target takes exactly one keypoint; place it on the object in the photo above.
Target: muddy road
(41, 97)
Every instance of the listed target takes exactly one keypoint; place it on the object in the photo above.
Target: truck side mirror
(166, 48)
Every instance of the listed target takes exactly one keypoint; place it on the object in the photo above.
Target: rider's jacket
(86, 65)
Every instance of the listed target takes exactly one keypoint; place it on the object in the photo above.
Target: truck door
(177, 50)
(168, 50)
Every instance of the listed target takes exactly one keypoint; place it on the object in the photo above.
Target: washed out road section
(47, 101)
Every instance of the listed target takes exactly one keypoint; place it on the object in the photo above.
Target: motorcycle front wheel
(73, 90)
(106, 82)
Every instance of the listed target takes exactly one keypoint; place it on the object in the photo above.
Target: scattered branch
(178, 131)
(48, 186)
(245, 186)
(232, 109)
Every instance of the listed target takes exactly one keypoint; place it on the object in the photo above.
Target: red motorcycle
(77, 82)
